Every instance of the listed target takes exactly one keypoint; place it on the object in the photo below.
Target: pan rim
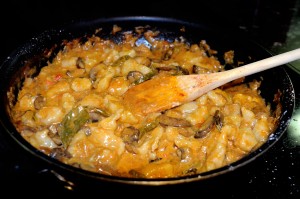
(17, 137)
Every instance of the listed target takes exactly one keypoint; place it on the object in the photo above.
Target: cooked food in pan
(73, 109)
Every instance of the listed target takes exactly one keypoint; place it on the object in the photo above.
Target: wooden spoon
(159, 94)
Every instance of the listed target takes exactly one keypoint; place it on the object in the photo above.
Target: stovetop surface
(275, 174)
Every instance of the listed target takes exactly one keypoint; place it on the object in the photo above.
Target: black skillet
(31, 56)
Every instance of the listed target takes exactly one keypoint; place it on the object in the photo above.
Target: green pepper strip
(72, 123)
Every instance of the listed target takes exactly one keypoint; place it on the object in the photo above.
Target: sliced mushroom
(173, 70)
(218, 117)
(210, 122)
(136, 174)
(60, 153)
(56, 139)
(135, 77)
(130, 134)
(200, 70)
(183, 153)
(202, 133)
(168, 54)
(155, 160)
(53, 134)
(205, 128)
(130, 137)
(39, 102)
(180, 153)
(69, 74)
(80, 63)
(191, 171)
(97, 114)
(93, 73)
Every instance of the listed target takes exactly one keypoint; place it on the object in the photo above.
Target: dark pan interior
(31, 56)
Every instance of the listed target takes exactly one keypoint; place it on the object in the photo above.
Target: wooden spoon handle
(261, 65)
(197, 85)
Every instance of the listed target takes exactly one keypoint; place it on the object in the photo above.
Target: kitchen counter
(274, 174)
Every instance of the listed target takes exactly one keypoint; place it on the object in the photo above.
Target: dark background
(273, 175)
(265, 20)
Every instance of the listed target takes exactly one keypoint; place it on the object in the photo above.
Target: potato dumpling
(73, 110)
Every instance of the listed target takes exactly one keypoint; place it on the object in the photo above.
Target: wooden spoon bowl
(160, 94)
